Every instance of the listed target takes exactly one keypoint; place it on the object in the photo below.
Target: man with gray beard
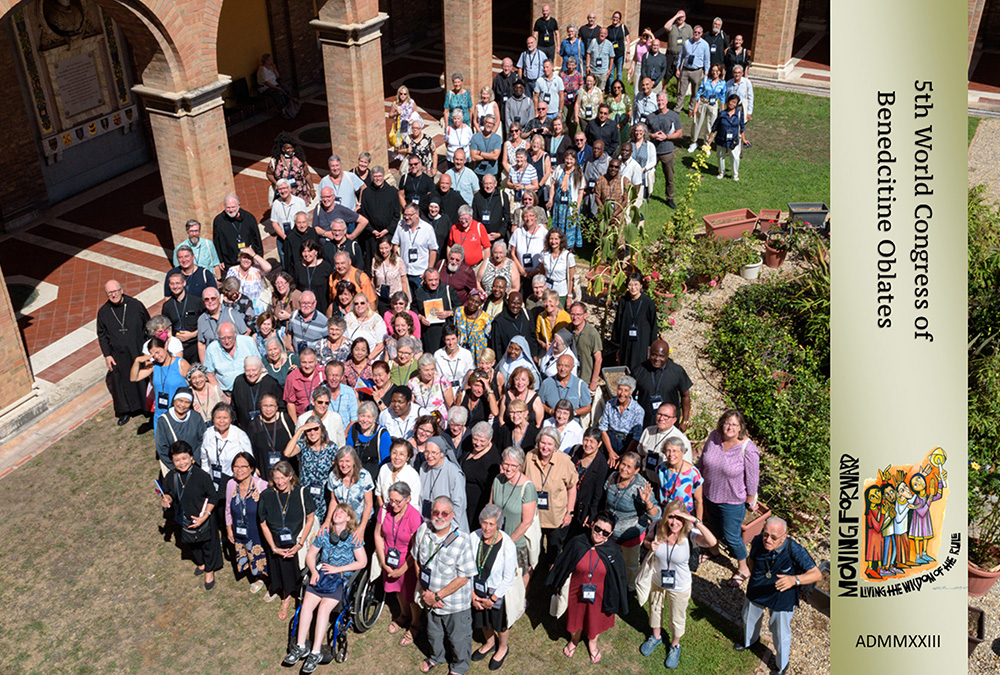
(456, 274)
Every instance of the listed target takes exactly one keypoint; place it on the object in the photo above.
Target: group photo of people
(405, 401)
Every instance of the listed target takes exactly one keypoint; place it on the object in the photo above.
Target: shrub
(755, 344)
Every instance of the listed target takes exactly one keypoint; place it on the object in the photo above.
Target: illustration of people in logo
(904, 508)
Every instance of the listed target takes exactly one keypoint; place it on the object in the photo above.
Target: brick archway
(174, 45)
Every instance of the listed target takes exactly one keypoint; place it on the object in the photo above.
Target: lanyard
(503, 507)
(546, 478)
(124, 310)
(164, 374)
(443, 544)
(395, 526)
(218, 450)
(310, 271)
(452, 369)
(480, 558)
(242, 501)
(182, 312)
(593, 565)
(239, 237)
(426, 401)
(284, 508)
(670, 552)
(272, 436)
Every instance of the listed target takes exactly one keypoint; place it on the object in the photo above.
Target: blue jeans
(617, 72)
(726, 520)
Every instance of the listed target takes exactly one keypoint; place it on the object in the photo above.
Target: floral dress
(242, 513)
(352, 373)
(621, 113)
(405, 111)
(461, 101)
(429, 398)
(472, 332)
(353, 496)
(326, 353)
(251, 286)
(388, 279)
(315, 472)
(294, 172)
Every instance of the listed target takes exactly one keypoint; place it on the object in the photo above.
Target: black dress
(634, 330)
(479, 475)
(287, 510)
(505, 437)
(247, 397)
(268, 440)
(317, 280)
(191, 491)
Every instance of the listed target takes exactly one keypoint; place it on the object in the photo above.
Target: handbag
(533, 535)
(329, 582)
(198, 535)
(394, 136)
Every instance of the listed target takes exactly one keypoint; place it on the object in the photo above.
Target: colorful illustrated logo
(904, 509)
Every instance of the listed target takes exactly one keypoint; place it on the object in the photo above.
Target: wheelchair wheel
(369, 599)
(336, 638)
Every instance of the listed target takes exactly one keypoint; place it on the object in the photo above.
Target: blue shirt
(576, 392)
(338, 553)
(577, 49)
(204, 253)
(629, 422)
(346, 404)
(466, 183)
(227, 368)
(715, 92)
(484, 144)
(727, 129)
(601, 56)
(695, 55)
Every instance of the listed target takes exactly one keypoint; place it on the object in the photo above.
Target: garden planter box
(767, 219)
(981, 581)
(751, 528)
(811, 214)
(730, 224)
(820, 597)
(977, 628)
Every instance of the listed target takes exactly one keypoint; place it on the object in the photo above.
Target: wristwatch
(437, 598)
(796, 579)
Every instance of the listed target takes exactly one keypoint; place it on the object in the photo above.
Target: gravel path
(986, 659)
(688, 338)
(983, 165)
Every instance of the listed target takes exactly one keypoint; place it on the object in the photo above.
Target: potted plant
(745, 259)
(710, 261)
(775, 249)
(730, 224)
(984, 530)
(977, 628)
(753, 522)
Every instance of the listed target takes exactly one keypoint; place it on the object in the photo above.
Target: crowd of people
(413, 384)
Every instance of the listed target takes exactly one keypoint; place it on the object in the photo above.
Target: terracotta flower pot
(754, 527)
(977, 622)
(981, 581)
(773, 257)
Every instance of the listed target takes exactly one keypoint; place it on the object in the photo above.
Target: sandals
(426, 665)
(395, 627)
(569, 650)
(283, 612)
(595, 658)
(736, 580)
(409, 637)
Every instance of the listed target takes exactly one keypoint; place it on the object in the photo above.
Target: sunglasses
(440, 514)
(601, 531)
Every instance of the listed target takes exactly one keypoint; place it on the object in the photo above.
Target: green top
(510, 498)
(402, 375)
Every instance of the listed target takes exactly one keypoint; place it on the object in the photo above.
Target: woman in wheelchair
(332, 560)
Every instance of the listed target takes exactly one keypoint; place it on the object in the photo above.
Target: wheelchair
(360, 610)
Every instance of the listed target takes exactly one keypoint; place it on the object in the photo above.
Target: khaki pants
(630, 554)
(704, 120)
(692, 78)
(678, 609)
(667, 161)
(602, 79)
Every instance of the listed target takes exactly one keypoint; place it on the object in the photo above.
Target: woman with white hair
(430, 392)
(498, 265)
(457, 136)
(517, 498)
(480, 466)
(496, 569)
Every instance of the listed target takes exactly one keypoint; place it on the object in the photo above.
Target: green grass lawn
(973, 125)
(789, 160)
(90, 586)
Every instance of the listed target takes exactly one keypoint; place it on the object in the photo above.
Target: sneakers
(295, 654)
(673, 657)
(692, 147)
(312, 662)
(719, 176)
(736, 178)
(651, 643)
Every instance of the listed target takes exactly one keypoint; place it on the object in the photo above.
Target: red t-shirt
(472, 240)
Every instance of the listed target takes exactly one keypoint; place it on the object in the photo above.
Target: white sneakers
(693, 147)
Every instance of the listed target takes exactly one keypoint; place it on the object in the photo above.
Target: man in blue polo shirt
(779, 567)
(695, 60)
(565, 385)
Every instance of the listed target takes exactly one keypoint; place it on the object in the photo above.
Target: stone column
(976, 8)
(468, 43)
(20, 400)
(352, 64)
(192, 150)
(774, 32)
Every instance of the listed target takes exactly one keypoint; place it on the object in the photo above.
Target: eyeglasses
(440, 514)
(396, 502)
(601, 531)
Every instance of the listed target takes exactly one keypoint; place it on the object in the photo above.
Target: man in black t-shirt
(589, 32)
(183, 310)
(547, 33)
(659, 380)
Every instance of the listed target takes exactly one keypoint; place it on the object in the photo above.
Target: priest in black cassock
(121, 331)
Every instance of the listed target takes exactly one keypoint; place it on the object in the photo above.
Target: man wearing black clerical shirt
(510, 322)
(432, 330)
(491, 207)
(249, 388)
(270, 432)
(659, 380)
(183, 310)
(235, 229)
(380, 205)
(121, 331)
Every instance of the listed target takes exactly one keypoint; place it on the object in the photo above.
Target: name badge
(162, 400)
(425, 577)
(287, 227)
(543, 500)
(588, 593)
(633, 333)
(712, 48)
(518, 194)
(553, 159)
(517, 118)
(546, 97)
(564, 198)
(479, 586)
(598, 62)
(729, 135)
(526, 259)
(655, 401)
(411, 255)
(690, 61)
(216, 470)
(614, 45)
(454, 383)
(253, 414)
(591, 184)
(383, 291)
(292, 182)
(485, 218)
(336, 200)
(588, 111)
(273, 458)
(545, 38)
(241, 532)
(425, 509)
(240, 245)
(652, 461)
(285, 537)
(505, 97)
(316, 491)
(392, 558)
(667, 579)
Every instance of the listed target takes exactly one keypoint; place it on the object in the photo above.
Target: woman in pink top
(730, 465)
(242, 494)
(399, 302)
(397, 522)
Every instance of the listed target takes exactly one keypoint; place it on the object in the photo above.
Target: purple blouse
(730, 475)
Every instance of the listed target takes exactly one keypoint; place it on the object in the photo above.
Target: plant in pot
(709, 261)
(776, 247)
(746, 261)
(619, 236)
